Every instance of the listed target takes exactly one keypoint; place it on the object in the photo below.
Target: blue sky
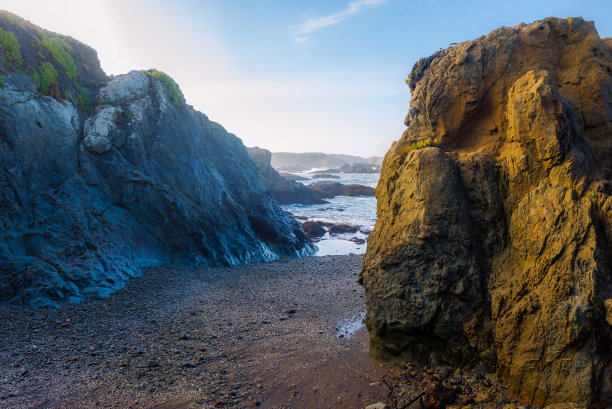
(291, 75)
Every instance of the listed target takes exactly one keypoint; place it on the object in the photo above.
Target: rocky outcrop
(360, 168)
(283, 190)
(60, 66)
(314, 229)
(329, 189)
(494, 242)
(325, 176)
(87, 201)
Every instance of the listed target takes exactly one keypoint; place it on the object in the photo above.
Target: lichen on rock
(496, 245)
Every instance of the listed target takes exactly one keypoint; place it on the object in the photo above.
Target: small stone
(455, 380)
(190, 365)
(153, 363)
(259, 386)
(377, 405)
(184, 336)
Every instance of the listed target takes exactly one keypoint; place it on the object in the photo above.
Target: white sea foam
(349, 326)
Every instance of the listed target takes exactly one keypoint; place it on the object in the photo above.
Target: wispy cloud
(314, 24)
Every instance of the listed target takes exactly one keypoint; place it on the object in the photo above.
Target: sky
(298, 76)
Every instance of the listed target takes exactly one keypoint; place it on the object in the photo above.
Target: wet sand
(261, 335)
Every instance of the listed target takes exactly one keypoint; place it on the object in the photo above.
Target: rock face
(329, 189)
(87, 201)
(283, 190)
(496, 245)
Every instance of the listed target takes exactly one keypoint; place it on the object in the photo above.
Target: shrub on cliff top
(12, 18)
(169, 83)
(60, 50)
(419, 68)
(11, 46)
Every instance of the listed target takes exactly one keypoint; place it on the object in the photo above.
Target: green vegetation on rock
(423, 144)
(18, 21)
(47, 76)
(60, 50)
(168, 82)
(84, 101)
(11, 46)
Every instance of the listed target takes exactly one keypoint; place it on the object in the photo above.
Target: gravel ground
(259, 335)
(286, 334)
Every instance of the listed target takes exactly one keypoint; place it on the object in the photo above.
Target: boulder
(314, 229)
(493, 234)
(342, 228)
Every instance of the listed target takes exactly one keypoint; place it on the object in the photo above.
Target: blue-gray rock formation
(285, 191)
(90, 193)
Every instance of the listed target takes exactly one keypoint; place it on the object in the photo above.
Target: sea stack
(494, 234)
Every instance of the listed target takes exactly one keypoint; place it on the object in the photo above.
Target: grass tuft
(423, 144)
(169, 84)
(47, 76)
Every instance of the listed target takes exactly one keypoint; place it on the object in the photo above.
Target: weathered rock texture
(86, 200)
(497, 245)
(285, 191)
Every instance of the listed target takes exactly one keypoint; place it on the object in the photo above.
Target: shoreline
(256, 335)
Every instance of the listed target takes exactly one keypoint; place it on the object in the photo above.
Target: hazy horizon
(321, 76)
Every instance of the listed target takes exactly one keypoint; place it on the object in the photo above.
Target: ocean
(357, 211)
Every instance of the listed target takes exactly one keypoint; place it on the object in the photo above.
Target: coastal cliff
(494, 232)
(283, 190)
(104, 176)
